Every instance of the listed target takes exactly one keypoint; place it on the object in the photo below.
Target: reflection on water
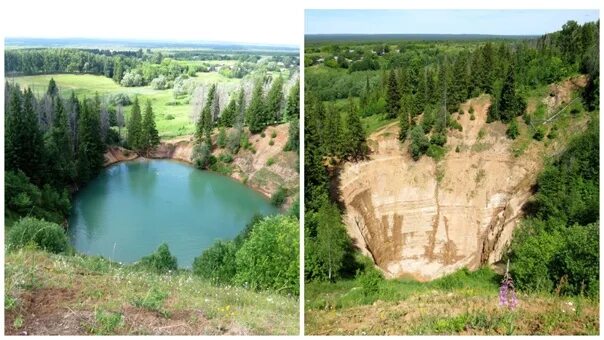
(132, 207)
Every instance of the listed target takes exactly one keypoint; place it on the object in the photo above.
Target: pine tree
(135, 126)
(59, 147)
(256, 110)
(333, 132)
(52, 88)
(205, 123)
(510, 104)
(91, 147)
(292, 109)
(227, 117)
(404, 124)
(393, 96)
(149, 134)
(118, 70)
(24, 148)
(274, 99)
(355, 138)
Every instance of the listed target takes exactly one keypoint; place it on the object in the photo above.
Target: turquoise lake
(132, 207)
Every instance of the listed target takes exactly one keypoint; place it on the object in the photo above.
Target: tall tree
(331, 240)
(510, 104)
(256, 112)
(135, 126)
(393, 96)
(91, 147)
(149, 134)
(355, 138)
(24, 149)
(59, 148)
(292, 109)
(205, 123)
(52, 88)
(274, 98)
(227, 117)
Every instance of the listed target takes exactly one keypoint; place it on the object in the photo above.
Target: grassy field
(463, 303)
(58, 294)
(163, 101)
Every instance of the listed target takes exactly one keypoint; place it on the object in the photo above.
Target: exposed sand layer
(252, 168)
(426, 219)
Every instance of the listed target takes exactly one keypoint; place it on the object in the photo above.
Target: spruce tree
(59, 147)
(356, 134)
(91, 147)
(256, 110)
(135, 126)
(292, 109)
(393, 96)
(227, 117)
(205, 123)
(274, 100)
(52, 88)
(149, 134)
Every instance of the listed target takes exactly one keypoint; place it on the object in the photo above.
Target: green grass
(171, 120)
(461, 303)
(109, 297)
(375, 122)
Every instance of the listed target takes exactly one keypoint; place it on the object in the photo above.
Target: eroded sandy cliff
(426, 219)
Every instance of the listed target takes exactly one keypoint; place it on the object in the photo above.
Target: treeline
(329, 139)
(466, 68)
(556, 248)
(264, 109)
(52, 146)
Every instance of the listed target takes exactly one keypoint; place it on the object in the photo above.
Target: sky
(259, 22)
(501, 22)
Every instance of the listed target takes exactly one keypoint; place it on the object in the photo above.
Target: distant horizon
(534, 22)
(16, 41)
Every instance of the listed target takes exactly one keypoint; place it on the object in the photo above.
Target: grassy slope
(462, 303)
(88, 85)
(58, 294)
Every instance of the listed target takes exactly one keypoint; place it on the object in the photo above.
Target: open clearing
(163, 101)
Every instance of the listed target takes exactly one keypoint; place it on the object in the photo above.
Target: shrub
(273, 134)
(217, 263)
(455, 124)
(45, 235)
(457, 149)
(271, 142)
(419, 143)
(512, 130)
(278, 198)
(221, 139)
(160, 83)
(161, 260)
(226, 158)
(270, 161)
(471, 111)
(436, 152)
(120, 99)
(169, 117)
(539, 133)
(131, 79)
(370, 280)
(439, 139)
(472, 117)
(263, 134)
(269, 258)
(202, 156)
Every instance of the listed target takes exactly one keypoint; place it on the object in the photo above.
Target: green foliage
(556, 249)
(221, 139)
(512, 130)
(161, 261)
(370, 280)
(435, 151)
(106, 323)
(257, 116)
(202, 156)
(269, 258)
(149, 137)
(46, 235)
(419, 143)
(279, 197)
(152, 301)
(217, 263)
(539, 133)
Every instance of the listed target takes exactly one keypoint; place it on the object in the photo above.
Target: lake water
(131, 208)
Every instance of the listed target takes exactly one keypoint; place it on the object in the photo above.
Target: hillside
(264, 166)
(429, 218)
(67, 295)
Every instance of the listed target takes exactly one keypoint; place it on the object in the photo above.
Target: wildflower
(507, 293)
